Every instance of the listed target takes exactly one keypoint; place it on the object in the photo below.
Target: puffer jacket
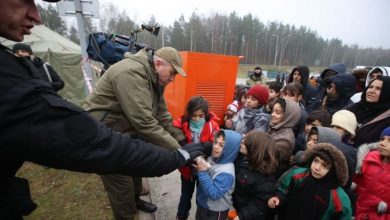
(372, 184)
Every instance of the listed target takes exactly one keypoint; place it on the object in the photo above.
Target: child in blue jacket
(216, 177)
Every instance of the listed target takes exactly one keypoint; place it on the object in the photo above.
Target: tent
(63, 55)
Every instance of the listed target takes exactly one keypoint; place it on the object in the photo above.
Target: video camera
(110, 48)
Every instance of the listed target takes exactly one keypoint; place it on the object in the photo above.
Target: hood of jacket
(231, 147)
(345, 85)
(337, 67)
(291, 117)
(363, 150)
(304, 70)
(327, 135)
(339, 161)
(385, 71)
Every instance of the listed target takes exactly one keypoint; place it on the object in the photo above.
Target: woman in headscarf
(373, 111)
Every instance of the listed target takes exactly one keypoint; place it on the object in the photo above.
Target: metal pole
(276, 47)
(83, 44)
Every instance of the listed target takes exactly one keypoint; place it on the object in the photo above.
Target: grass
(63, 194)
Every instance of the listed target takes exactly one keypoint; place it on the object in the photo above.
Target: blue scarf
(197, 126)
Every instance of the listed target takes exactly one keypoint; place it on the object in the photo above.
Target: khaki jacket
(129, 99)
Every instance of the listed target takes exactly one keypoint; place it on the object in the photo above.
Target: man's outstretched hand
(191, 151)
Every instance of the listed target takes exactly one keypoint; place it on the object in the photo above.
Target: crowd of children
(287, 153)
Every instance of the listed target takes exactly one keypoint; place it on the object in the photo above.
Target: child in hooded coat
(252, 116)
(255, 182)
(216, 180)
(372, 179)
(285, 115)
(315, 192)
(198, 126)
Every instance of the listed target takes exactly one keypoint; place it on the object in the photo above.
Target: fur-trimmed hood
(339, 161)
(363, 150)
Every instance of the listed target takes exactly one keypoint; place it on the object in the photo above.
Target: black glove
(207, 148)
(182, 142)
(191, 151)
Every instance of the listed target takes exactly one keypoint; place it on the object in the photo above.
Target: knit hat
(20, 46)
(260, 93)
(172, 56)
(385, 132)
(233, 107)
(346, 120)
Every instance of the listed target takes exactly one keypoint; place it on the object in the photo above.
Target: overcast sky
(365, 22)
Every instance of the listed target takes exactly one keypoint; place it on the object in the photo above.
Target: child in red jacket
(373, 179)
(198, 126)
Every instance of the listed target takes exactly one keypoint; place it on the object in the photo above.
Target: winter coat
(255, 79)
(253, 189)
(338, 207)
(247, 120)
(372, 186)
(283, 133)
(328, 135)
(129, 99)
(316, 101)
(43, 128)
(207, 135)
(345, 88)
(327, 197)
(216, 185)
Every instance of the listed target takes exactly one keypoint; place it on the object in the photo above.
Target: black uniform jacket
(39, 126)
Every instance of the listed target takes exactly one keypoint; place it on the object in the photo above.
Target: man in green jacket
(129, 99)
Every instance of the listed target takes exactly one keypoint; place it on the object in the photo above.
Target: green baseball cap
(172, 56)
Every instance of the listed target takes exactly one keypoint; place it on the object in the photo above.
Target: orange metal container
(212, 76)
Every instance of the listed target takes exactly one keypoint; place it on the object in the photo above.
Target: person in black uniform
(47, 71)
(37, 125)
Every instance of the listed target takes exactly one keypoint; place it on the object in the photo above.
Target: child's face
(230, 113)
(251, 102)
(218, 145)
(384, 146)
(197, 115)
(277, 114)
(310, 125)
(273, 94)
(339, 130)
(311, 141)
(297, 76)
(319, 168)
